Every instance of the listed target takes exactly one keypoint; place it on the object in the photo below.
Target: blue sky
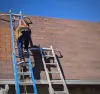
(88, 10)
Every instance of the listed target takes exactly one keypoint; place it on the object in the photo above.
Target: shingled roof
(78, 42)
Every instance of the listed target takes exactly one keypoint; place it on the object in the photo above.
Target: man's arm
(22, 23)
(17, 28)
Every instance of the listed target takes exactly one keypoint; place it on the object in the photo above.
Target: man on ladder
(23, 36)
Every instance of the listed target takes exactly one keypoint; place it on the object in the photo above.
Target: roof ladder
(16, 68)
(49, 53)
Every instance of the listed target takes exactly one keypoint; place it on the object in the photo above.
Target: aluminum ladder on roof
(17, 73)
(49, 53)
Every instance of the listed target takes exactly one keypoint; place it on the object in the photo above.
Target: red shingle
(78, 41)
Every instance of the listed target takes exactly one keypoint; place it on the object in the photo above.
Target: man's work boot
(21, 61)
(25, 51)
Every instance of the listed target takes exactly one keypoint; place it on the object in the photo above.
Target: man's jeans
(23, 40)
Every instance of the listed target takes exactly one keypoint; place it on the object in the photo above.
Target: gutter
(68, 82)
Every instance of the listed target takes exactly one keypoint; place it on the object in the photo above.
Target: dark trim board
(68, 82)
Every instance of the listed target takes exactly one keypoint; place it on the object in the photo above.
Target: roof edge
(68, 82)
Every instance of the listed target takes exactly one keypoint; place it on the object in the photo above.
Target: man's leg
(26, 44)
(20, 48)
(26, 40)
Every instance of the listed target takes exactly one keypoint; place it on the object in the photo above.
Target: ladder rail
(50, 86)
(50, 81)
(30, 68)
(25, 90)
(15, 70)
(55, 59)
(14, 58)
(32, 74)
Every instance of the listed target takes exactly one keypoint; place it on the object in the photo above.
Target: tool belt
(24, 29)
(21, 30)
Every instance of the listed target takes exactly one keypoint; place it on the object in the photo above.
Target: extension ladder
(49, 53)
(17, 73)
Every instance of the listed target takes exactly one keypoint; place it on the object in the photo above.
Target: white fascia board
(68, 82)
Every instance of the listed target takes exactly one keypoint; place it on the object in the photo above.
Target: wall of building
(73, 89)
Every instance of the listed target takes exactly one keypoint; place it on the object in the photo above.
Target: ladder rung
(51, 63)
(27, 55)
(16, 14)
(23, 47)
(27, 93)
(53, 72)
(48, 56)
(23, 64)
(34, 49)
(25, 83)
(46, 49)
(60, 92)
(39, 48)
(24, 73)
(56, 81)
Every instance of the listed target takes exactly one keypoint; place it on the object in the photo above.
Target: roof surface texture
(78, 42)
